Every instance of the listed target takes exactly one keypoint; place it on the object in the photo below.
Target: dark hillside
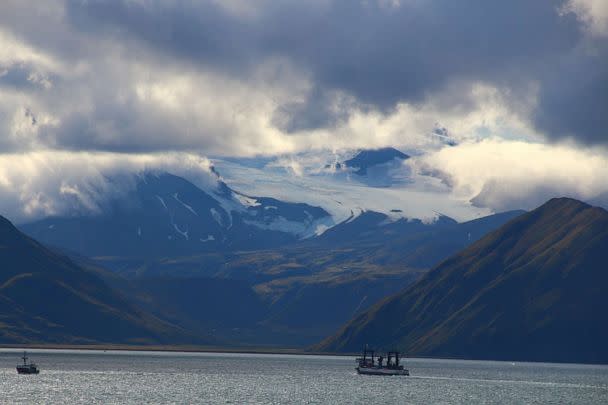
(45, 297)
(535, 289)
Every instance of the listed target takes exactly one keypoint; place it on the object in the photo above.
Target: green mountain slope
(535, 289)
(45, 297)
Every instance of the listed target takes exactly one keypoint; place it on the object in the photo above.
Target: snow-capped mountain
(390, 184)
(166, 215)
(381, 167)
(369, 158)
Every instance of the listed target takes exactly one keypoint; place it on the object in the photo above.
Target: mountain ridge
(523, 292)
(348, 271)
(166, 215)
(367, 158)
(45, 297)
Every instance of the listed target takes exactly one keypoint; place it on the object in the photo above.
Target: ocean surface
(93, 377)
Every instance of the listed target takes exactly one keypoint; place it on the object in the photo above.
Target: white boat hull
(381, 371)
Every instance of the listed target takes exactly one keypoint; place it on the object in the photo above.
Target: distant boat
(376, 366)
(27, 368)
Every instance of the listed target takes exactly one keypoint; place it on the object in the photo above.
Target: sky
(91, 87)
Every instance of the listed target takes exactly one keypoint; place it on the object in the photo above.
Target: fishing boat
(371, 365)
(27, 368)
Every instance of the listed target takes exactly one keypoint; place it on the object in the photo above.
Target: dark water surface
(90, 377)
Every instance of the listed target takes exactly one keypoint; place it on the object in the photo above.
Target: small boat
(370, 365)
(27, 368)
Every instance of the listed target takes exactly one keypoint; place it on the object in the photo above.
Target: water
(89, 377)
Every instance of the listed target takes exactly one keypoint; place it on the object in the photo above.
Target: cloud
(89, 89)
(504, 175)
(573, 96)
(593, 13)
(376, 55)
(43, 183)
(232, 79)
(492, 174)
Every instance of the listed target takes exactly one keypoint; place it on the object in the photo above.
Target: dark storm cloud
(320, 109)
(381, 54)
(199, 32)
(574, 97)
(402, 54)
(378, 53)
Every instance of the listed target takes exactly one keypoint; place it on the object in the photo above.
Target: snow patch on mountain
(245, 200)
(406, 194)
(216, 216)
(183, 233)
(302, 230)
(189, 208)
(162, 201)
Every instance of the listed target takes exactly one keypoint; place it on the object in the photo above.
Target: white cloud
(495, 174)
(214, 77)
(505, 175)
(42, 183)
(469, 111)
(101, 93)
(120, 102)
(594, 13)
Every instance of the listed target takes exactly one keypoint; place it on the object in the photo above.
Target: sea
(123, 377)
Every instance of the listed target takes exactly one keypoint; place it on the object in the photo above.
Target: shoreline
(244, 350)
(172, 349)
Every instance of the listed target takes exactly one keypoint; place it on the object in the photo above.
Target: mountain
(226, 310)
(431, 245)
(166, 215)
(409, 243)
(367, 158)
(45, 297)
(397, 188)
(532, 290)
(600, 200)
(349, 268)
(179, 245)
(371, 226)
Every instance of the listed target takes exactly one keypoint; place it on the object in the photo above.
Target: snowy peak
(372, 157)
(299, 219)
(222, 207)
(167, 215)
(398, 188)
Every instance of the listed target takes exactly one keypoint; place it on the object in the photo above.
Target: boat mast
(24, 358)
